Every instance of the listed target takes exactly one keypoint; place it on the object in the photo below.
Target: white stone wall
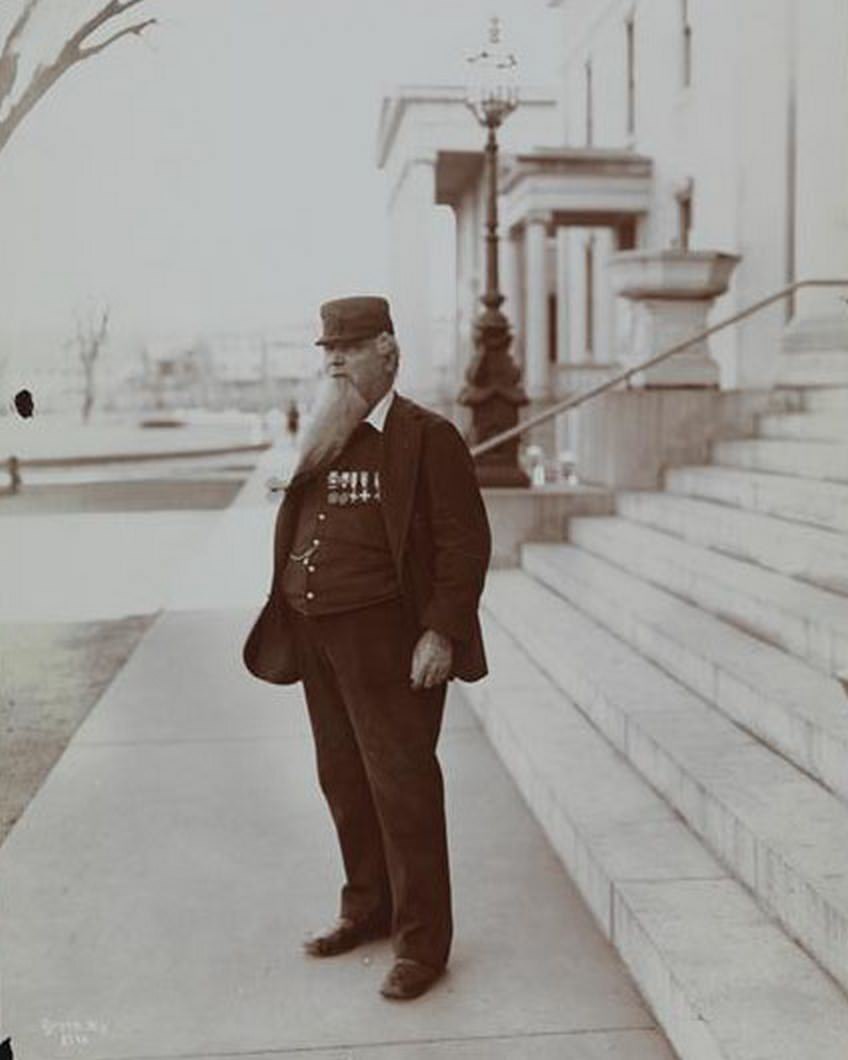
(413, 237)
(760, 131)
(727, 131)
(820, 28)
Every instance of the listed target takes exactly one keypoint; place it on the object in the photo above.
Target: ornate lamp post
(493, 388)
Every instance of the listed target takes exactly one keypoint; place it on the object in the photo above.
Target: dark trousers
(375, 742)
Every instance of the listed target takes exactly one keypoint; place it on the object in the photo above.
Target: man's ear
(387, 347)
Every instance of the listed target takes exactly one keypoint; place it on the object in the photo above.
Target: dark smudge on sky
(24, 404)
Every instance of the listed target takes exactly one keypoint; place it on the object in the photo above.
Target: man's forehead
(349, 344)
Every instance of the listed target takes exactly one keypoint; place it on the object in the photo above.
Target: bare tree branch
(104, 15)
(9, 54)
(8, 73)
(41, 81)
(136, 30)
(72, 52)
(19, 25)
(90, 340)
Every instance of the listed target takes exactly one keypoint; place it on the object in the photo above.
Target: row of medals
(352, 487)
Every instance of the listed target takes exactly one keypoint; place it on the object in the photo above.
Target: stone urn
(671, 292)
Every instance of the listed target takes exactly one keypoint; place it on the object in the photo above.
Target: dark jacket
(439, 536)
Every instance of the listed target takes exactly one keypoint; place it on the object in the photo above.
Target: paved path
(154, 895)
(83, 566)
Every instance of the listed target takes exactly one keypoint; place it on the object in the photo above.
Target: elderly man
(380, 552)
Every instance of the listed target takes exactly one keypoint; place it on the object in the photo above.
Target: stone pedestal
(628, 438)
(672, 292)
(538, 514)
(658, 324)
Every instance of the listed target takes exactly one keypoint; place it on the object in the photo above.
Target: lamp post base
(501, 476)
(494, 393)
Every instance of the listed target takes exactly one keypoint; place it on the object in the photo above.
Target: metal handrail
(585, 395)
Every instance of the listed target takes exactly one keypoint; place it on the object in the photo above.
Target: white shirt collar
(377, 416)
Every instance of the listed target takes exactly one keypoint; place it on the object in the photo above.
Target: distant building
(249, 372)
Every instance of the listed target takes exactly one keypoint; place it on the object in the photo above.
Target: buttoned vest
(340, 558)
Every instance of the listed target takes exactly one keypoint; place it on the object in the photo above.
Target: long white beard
(337, 410)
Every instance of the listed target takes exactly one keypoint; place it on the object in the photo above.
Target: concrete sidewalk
(154, 895)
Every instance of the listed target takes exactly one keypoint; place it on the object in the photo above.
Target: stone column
(604, 298)
(562, 293)
(536, 308)
(511, 287)
(821, 229)
(576, 258)
(567, 425)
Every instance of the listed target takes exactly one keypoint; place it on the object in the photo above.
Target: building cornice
(394, 106)
(600, 161)
(582, 185)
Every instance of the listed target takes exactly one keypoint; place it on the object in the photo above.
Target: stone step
(812, 426)
(825, 398)
(822, 504)
(820, 460)
(825, 368)
(809, 622)
(723, 979)
(795, 709)
(776, 830)
(807, 552)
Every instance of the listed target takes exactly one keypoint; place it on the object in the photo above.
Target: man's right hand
(431, 660)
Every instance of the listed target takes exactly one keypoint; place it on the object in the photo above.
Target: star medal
(363, 478)
(344, 496)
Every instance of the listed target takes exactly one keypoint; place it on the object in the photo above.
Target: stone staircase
(665, 692)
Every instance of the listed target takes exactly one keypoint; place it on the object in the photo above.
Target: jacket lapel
(398, 471)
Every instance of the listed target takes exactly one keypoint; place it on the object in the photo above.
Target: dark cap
(352, 319)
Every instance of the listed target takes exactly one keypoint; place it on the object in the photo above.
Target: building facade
(700, 125)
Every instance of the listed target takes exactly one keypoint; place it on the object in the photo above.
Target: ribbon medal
(353, 487)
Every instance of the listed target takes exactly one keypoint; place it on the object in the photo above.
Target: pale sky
(220, 174)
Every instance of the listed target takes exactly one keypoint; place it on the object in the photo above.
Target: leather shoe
(345, 935)
(408, 979)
